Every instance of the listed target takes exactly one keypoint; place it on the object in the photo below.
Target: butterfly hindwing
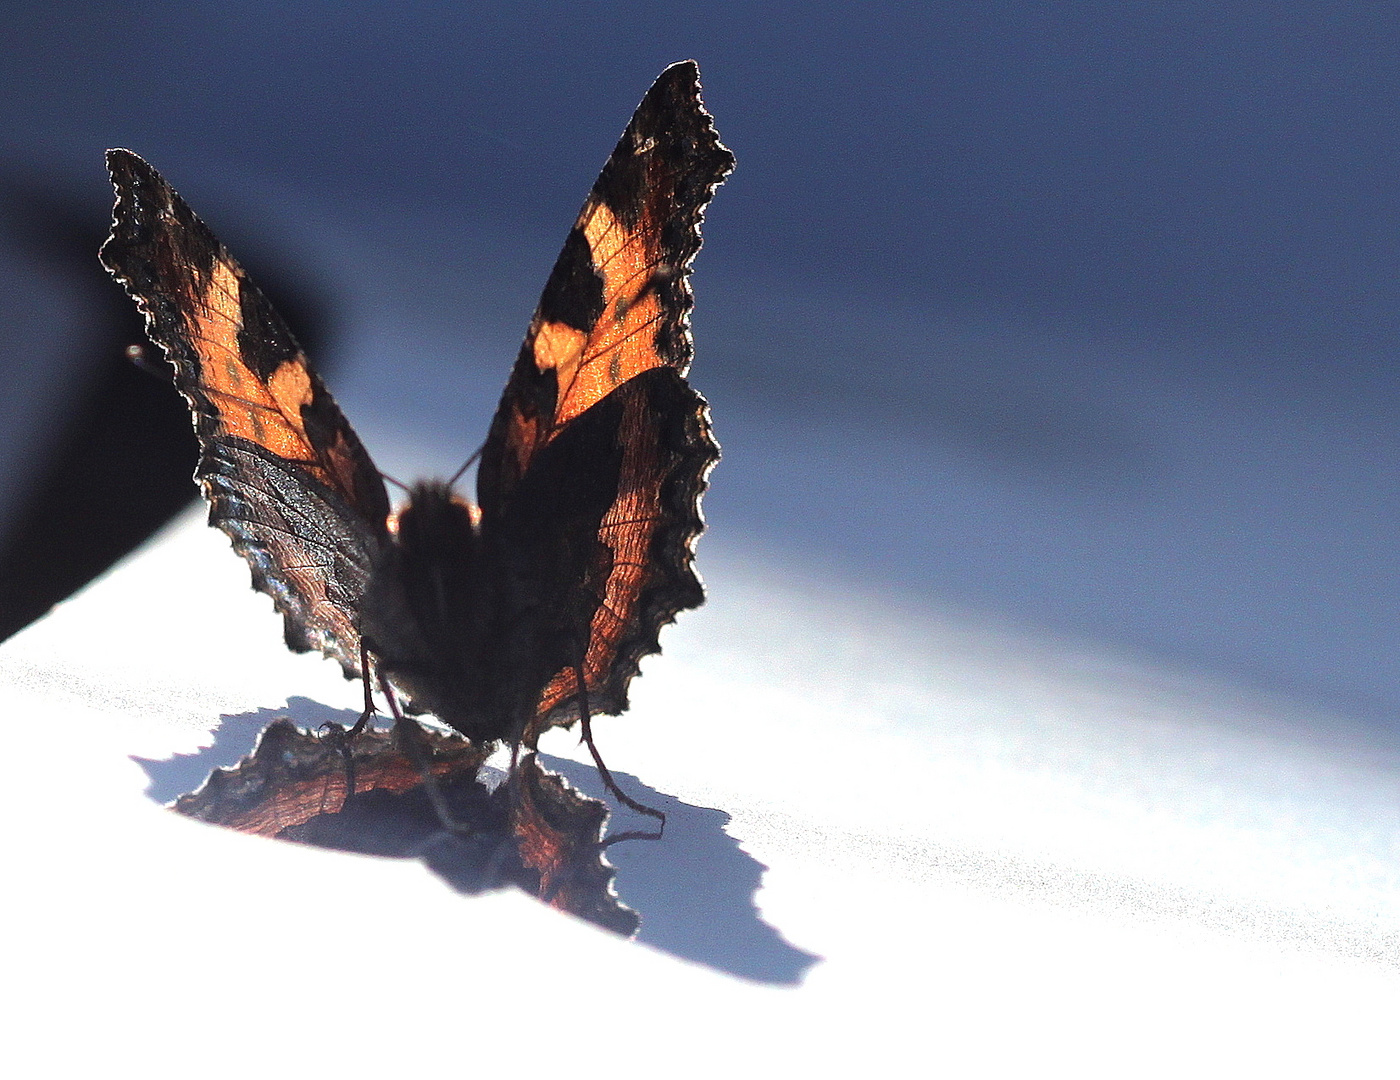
(644, 452)
(285, 476)
(600, 381)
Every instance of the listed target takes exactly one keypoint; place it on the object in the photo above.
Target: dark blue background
(1082, 317)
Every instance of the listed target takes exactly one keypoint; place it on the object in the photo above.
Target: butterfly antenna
(397, 483)
(466, 465)
(608, 780)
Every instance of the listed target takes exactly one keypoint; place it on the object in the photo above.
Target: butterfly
(532, 606)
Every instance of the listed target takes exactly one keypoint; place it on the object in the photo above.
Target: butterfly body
(534, 604)
(426, 610)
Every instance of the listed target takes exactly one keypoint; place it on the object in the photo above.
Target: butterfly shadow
(694, 888)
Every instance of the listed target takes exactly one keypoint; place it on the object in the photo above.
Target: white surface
(1010, 858)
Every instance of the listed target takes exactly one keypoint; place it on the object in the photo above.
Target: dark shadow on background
(694, 888)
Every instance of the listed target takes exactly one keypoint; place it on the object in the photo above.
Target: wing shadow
(694, 888)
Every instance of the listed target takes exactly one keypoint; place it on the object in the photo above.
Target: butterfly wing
(590, 480)
(284, 475)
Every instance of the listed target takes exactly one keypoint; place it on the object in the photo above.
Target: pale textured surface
(1005, 853)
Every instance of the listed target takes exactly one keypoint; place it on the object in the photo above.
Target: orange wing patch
(267, 413)
(621, 345)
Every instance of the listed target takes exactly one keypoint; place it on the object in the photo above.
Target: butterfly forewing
(285, 476)
(613, 326)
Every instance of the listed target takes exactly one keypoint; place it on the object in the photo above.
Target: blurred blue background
(1077, 317)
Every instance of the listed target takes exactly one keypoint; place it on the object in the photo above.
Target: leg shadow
(694, 888)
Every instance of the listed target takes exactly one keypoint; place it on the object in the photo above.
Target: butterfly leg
(608, 780)
(344, 740)
(370, 710)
